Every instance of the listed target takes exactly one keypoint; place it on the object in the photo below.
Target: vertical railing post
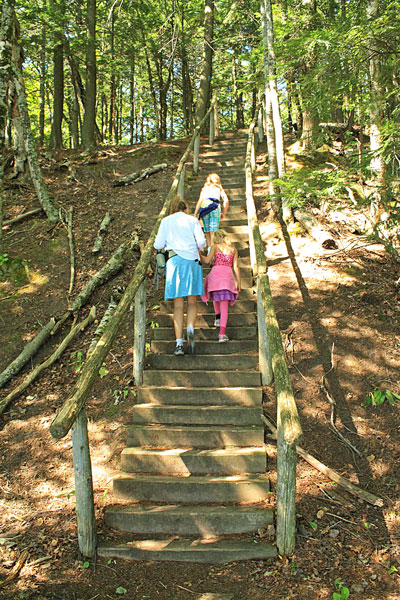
(285, 493)
(139, 333)
(83, 486)
(212, 128)
(253, 153)
(264, 353)
(181, 184)
(196, 152)
(216, 119)
(260, 125)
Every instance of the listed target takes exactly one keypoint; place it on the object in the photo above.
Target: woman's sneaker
(223, 338)
(179, 351)
(217, 323)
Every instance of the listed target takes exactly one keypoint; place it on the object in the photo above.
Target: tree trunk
(18, 139)
(268, 38)
(237, 95)
(187, 93)
(7, 34)
(152, 89)
(270, 129)
(42, 89)
(89, 120)
(56, 140)
(36, 174)
(112, 125)
(206, 73)
(132, 86)
(376, 113)
(74, 121)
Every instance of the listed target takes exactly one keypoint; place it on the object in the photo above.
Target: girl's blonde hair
(221, 237)
(177, 204)
(213, 179)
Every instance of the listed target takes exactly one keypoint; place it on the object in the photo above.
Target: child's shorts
(211, 220)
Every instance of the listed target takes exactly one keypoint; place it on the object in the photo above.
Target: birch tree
(376, 113)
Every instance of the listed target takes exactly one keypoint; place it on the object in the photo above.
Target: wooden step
(202, 378)
(208, 333)
(181, 461)
(240, 306)
(208, 347)
(199, 550)
(194, 520)
(162, 436)
(207, 320)
(194, 489)
(205, 396)
(201, 362)
(196, 415)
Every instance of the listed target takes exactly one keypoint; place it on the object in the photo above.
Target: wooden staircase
(194, 469)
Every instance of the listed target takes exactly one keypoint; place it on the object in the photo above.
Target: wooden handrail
(76, 402)
(273, 363)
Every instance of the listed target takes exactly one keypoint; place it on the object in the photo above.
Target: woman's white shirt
(182, 233)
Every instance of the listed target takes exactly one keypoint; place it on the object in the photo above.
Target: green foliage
(103, 371)
(313, 186)
(77, 360)
(120, 395)
(3, 260)
(342, 593)
(121, 590)
(377, 397)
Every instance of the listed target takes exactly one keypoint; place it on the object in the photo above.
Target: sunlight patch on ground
(35, 280)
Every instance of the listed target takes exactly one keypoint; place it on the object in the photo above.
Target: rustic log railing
(274, 368)
(72, 414)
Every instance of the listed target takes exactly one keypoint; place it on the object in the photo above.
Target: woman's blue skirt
(183, 278)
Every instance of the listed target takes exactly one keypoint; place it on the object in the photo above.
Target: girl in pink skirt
(222, 284)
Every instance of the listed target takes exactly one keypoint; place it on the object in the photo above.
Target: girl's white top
(211, 191)
(182, 233)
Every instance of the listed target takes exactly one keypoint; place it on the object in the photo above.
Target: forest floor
(341, 311)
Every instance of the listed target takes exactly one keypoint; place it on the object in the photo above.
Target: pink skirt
(220, 278)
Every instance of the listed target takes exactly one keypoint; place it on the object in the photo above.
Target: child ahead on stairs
(212, 206)
(222, 284)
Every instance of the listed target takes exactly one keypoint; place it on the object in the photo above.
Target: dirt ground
(339, 311)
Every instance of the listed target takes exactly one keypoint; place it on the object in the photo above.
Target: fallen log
(101, 233)
(71, 251)
(49, 361)
(347, 485)
(139, 175)
(100, 328)
(115, 263)
(30, 350)
(314, 228)
(23, 216)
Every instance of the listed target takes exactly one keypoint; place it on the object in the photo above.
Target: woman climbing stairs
(194, 468)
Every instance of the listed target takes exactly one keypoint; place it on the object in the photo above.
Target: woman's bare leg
(192, 311)
(178, 317)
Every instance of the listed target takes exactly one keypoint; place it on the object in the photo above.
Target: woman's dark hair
(177, 204)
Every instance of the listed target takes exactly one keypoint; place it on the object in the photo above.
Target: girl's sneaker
(223, 338)
(217, 323)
